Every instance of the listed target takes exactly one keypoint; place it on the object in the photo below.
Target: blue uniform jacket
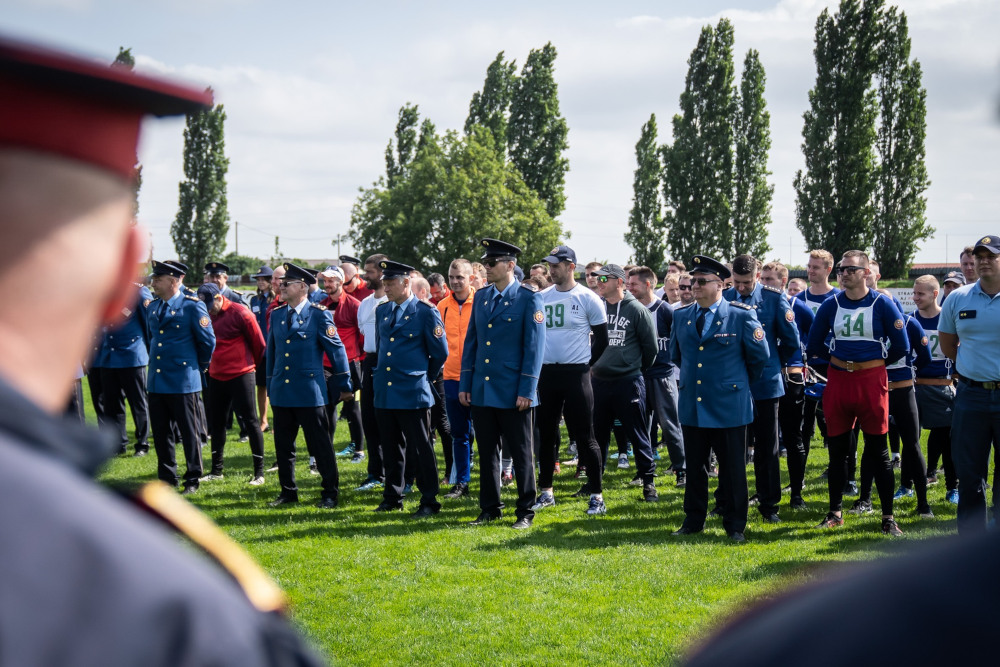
(258, 306)
(411, 353)
(181, 345)
(503, 350)
(127, 344)
(295, 357)
(717, 368)
(778, 321)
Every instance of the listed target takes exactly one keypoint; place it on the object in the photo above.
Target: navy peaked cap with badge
(347, 259)
(991, 243)
(612, 270)
(955, 277)
(293, 272)
(391, 269)
(703, 264)
(497, 248)
(561, 253)
(166, 269)
(216, 267)
(263, 272)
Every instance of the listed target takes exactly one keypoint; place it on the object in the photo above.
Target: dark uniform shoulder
(426, 305)
(768, 288)
(525, 287)
(740, 305)
(284, 305)
(191, 298)
(317, 306)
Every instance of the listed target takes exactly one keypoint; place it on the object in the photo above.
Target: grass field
(378, 589)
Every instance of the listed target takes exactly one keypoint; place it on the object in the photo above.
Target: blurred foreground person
(89, 579)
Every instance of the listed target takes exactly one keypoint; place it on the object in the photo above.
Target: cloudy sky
(312, 89)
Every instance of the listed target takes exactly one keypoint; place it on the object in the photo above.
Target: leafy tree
(835, 206)
(490, 108)
(698, 166)
(202, 222)
(536, 133)
(454, 192)
(124, 58)
(751, 192)
(399, 154)
(900, 215)
(242, 265)
(646, 230)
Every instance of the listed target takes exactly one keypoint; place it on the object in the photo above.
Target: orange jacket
(456, 322)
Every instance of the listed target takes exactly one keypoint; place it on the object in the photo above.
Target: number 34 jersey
(568, 318)
(863, 330)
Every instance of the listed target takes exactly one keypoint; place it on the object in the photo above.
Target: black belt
(991, 385)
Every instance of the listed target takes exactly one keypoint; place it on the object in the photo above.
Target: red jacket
(360, 292)
(239, 344)
(345, 318)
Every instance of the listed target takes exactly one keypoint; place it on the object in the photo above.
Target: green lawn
(382, 589)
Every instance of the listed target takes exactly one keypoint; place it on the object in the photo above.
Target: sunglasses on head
(849, 269)
(492, 261)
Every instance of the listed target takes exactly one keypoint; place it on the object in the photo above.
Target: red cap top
(60, 103)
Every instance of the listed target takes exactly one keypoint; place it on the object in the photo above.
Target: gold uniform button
(699, 399)
(159, 344)
(185, 363)
(487, 378)
(488, 326)
(161, 330)
(388, 384)
(157, 370)
(699, 365)
(286, 368)
(487, 342)
(388, 354)
(388, 368)
(700, 348)
(287, 342)
(286, 354)
(157, 356)
(392, 340)
(286, 381)
(487, 361)
(699, 381)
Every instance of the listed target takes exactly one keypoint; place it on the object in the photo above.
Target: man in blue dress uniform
(217, 273)
(721, 349)
(501, 361)
(411, 352)
(782, 336)
(300, 333)
(181, 344)
(122, 357)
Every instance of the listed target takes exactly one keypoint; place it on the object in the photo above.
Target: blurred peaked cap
(177, 264)
(263, 272)
(166, 269)
(85, 110)
(293, 272)
(391, 269)
(991, 243)
(497, 248)
(207, 292)
(216, 267)
(612, 270)
(703, 264)
(347, 259)
(955, 277)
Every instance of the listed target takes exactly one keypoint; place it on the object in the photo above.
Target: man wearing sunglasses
(867, 335)
(684, 290)
(501, 361)
(778, 321)
(721, 349)
(300, 334)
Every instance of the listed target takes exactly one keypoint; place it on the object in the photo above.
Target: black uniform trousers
(312, 420)
(441, 425)
(117, 385)
(404, 434)
(167, 412)
(96, 392)
(913, 469)
(368, 420)
(351, 411)
(790, 407)
(565, 389)
(766, 462)
(236, 394)
(730, 446)
(515, 428)
(624, 399)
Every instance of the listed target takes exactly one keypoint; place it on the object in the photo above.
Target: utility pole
(337, 240)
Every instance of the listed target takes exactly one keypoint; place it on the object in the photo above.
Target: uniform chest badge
(438, 331)
(758, 334)
(204, 321)
(789, 316)
(898, 324)
(539, 317)
(331, 331)
(146, 302)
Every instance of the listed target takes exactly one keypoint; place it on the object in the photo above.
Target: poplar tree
(751, 214)
(536, 132)
(646, 230)
(202, 222)
(490, 108)
(400, 153)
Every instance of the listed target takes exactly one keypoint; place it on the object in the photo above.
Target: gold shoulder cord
(257, 585)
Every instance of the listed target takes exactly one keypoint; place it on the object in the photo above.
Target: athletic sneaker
(861, 507)
(754, 500)
(257, 481)
(211, 477)
(636, 481)
(581, 471)
(925, 513)
(546, 499)
(896, 462)
(313, 470)
(571, 449)
(507, 478)
(681, 479)
(932, 479)
(244, 438)
(649, 493)
(656, 454)
(370, 484)
(596, 507)
(358, 457)
(629, 452)
(851, 488)
(346, 451)
(797, 504)
(274, 467)
(890, 527)
(572, 462)
(952, 497)
(903, 492)
(623, 461)
(831, 521)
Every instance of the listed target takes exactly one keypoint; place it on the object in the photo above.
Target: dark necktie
(163, 311)
(700, 322)
(392, 320)
(496, 300)
(746, 299)
(291, 317)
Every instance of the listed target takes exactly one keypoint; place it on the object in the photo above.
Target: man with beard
(367, 326)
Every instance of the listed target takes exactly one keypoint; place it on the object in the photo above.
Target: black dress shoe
(715, 513)
(522, 523)
(189, 489)
(772, 518)
(326, 504)
(425, 511)
(386, 506)
(684, 530)
(282, 500)
(736, 536)
(484, 517)
(460, 490)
